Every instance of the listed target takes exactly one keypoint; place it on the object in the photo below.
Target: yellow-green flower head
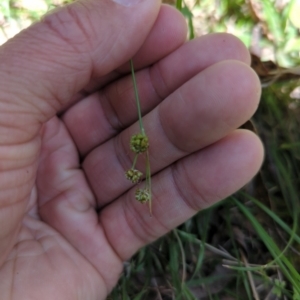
(142, 195)
(134, 175)
(139, 143)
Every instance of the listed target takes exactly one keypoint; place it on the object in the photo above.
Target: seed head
(139, 143)
(142, 195)
(134, 175)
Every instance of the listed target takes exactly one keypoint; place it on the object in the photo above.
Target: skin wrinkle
(154, 88)
(60, 149)
(180, 148)
(121, 153)
(31, 208)
(97, 82)
(69, 147)
(90, 197)
(13, 231)
(46, 250)
(19, 200)
(62, 99)
(57, 22)
(66, 182)
(59, 48)
(169, 141)
(116, 126)
(23, 186)
(92, 31)
(111, 40)
(121, 125)
(95, 167)
(55, 235)
(16, 255)
(12, 108)
(33, 105)
(25, 134)
(109, 243)
(101, 272)
(134, 221)
(43, 39)
(108, 54)
(205, 200)
(16, 107)
(130, 105)
(12, 289)
(130, 213)
(87, 40)
(158, 223)
(156, 69)
(74, 100)
(118, 155)
(75, 68)
(197, 193)
(19, 150)
(63, 189)
(174, 171)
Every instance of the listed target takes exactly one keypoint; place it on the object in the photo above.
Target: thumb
(40, 70)
(46, 64)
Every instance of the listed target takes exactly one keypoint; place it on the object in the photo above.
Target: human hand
(68, 215)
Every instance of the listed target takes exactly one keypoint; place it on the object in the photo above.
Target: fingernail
(127, 2)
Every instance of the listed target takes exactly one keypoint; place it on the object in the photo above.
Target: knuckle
(192, 195)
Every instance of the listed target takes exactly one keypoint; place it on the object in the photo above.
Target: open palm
(67, 213)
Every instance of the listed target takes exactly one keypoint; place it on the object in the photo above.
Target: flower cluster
(142, 195)
(139, 143)
(134, 175)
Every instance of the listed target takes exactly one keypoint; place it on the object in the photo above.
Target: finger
(103, 114)
(192, 184)
(191, 118)
(167, 34)
(62, 53)
(42, 68)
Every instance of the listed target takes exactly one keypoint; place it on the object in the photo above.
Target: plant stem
(148, 170)
(179, 4)
(134, 161)
(148, 180)
(137, 99)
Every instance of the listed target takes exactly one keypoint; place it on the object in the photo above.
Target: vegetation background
(247, 246)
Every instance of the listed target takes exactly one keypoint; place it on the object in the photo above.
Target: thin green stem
(148, 170)
(134, 161)
(148, 180)
(137, 98)
(182, 257)
(179, 4)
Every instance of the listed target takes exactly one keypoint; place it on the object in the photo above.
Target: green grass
(248, 245)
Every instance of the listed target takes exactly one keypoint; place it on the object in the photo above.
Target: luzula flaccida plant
(139, 144)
